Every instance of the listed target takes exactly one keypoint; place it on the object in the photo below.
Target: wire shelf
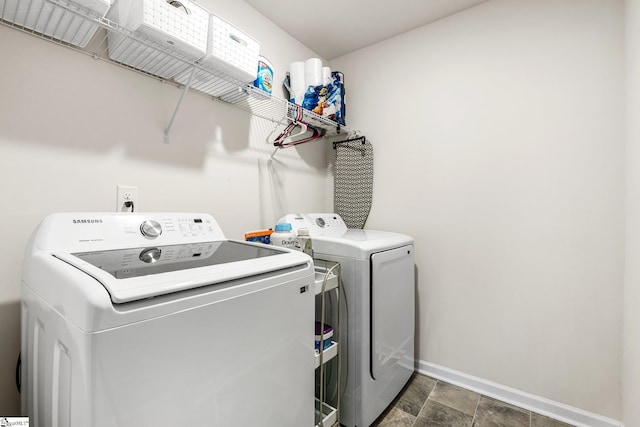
(67, 24)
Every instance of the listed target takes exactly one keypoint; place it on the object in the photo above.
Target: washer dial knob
(150, 255)
(320, 221)
(151, 229)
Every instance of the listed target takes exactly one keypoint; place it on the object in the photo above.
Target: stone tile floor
(426, 401)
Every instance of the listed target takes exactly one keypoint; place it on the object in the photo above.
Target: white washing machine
(157, 320)
(378, 279)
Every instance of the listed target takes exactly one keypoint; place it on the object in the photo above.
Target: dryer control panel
(319, 224)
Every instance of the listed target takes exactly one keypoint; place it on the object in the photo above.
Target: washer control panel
(102, 231)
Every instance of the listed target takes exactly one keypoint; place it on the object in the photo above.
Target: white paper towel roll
(326, 76)
(296, 82)
(313, 72)
(296, 75)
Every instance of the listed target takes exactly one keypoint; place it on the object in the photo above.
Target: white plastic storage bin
(180, 26)
(56, 21)
(230, 51)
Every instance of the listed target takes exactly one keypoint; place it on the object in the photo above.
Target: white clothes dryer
(156, 319)
(378, 279)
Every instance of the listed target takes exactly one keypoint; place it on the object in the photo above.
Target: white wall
(631, 354)
(72, 128)
(498, 138)
(507, 144)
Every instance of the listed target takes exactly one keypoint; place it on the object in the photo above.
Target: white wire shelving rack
(230, 90)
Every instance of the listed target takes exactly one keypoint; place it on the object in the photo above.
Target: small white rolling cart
(327, 363)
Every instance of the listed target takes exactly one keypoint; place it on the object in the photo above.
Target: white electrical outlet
(127, 200)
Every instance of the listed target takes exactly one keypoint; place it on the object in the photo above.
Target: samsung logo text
(87, 221)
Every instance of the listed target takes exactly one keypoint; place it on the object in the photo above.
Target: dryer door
(392, 312)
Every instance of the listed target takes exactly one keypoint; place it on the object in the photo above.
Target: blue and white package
(327, 101)
(264, 80)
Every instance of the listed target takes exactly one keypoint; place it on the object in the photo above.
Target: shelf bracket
(175, 112)
(362, 139)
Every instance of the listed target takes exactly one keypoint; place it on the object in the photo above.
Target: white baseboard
(540, 405)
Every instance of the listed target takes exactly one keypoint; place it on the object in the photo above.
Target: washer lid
(131, 274)
(359, 243)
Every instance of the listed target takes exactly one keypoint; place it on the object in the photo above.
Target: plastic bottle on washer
(304, 240)
(283, 236)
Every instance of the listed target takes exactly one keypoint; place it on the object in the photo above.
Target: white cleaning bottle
(283, 236)
(304, 240)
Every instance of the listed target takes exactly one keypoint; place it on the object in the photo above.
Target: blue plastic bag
(327, 101)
